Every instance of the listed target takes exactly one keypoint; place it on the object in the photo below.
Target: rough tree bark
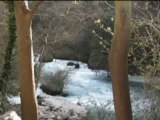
(24, 17)
(118, 61)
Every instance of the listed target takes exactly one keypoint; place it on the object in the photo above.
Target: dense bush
(6, 70)
(145, 43)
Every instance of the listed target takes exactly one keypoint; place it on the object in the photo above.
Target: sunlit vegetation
(144, 41)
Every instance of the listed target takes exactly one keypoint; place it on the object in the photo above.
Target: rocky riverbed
(56, 108)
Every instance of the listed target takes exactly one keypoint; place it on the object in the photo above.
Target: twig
(40, 59)
(68, 10)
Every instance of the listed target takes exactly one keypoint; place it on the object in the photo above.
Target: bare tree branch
(35, 6)
(40, 60)
(68, 10)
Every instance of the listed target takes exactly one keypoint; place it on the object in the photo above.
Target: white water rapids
(85, 85)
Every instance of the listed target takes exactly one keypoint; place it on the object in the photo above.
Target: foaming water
(84, 85)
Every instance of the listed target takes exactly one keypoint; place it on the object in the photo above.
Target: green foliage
(11, 42)
(3, 103)
(8, 55)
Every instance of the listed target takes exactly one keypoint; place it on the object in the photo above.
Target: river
(90, 87)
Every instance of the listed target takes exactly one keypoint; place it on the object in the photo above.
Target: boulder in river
(53, 83)
(70, 64)
(77, 65)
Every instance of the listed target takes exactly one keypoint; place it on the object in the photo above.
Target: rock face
(97, 60)
(58, 109)
(65, 50)
(70, 34)
(11, 115)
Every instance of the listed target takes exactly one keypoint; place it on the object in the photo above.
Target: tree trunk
(118, 61)
(25, 53)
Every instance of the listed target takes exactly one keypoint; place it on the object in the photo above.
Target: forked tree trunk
(118, 61)
(25, 54)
